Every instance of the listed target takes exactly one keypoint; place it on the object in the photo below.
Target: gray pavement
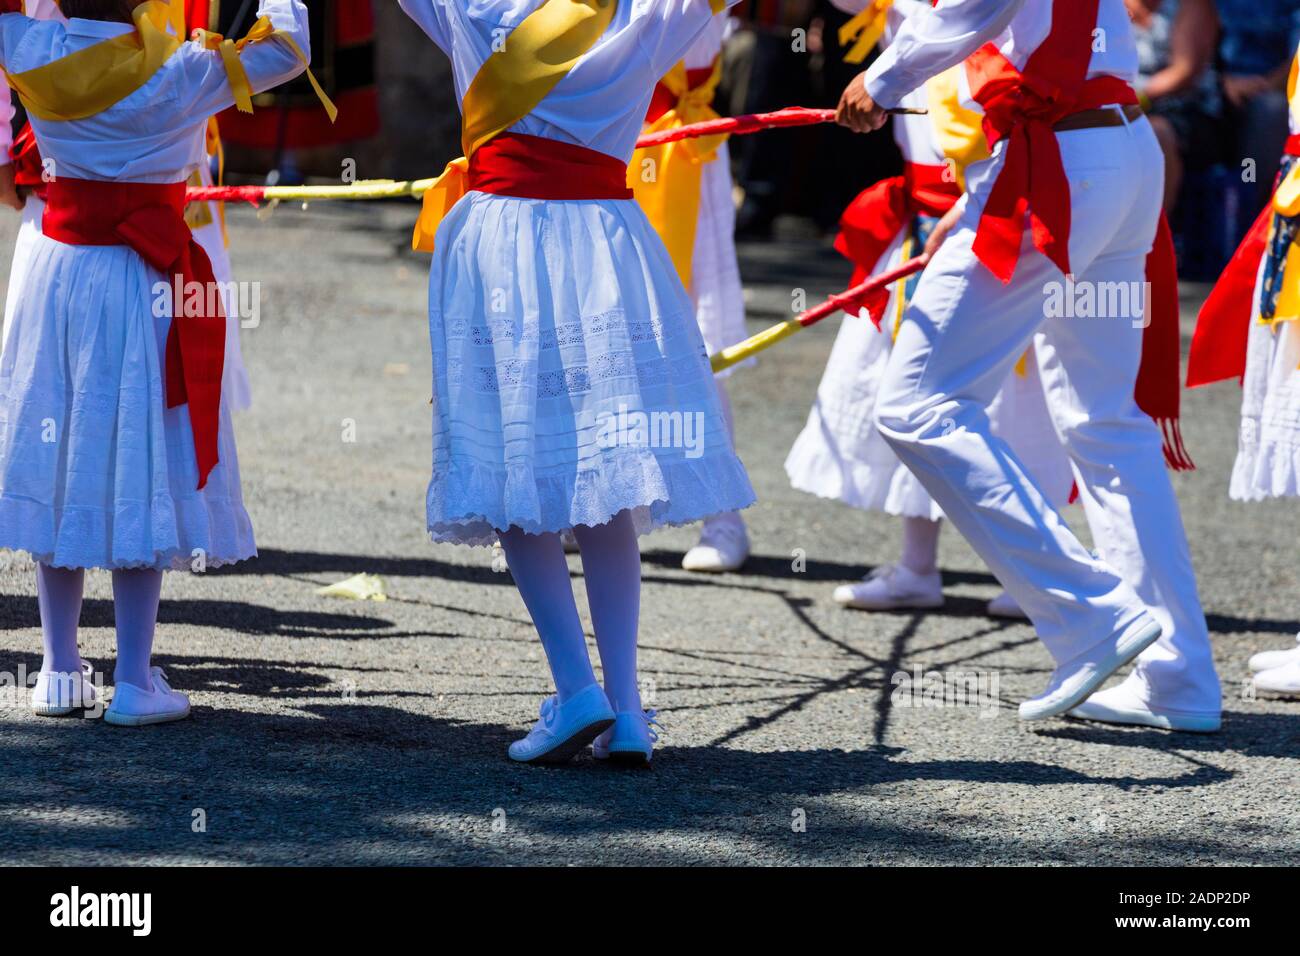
(329, 731)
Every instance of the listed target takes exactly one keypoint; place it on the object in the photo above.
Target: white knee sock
(58, 594)
(920, 545)
(135, 611)
(541, 574)
(611, 563)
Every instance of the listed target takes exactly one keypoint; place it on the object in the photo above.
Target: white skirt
(570, 378)
(1268, 444)
(715, 274)
(235, 385)
(840, 455)
(95, 471)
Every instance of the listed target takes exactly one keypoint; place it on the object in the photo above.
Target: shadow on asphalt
(375, 783)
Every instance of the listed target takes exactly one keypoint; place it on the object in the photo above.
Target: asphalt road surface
(335, 731)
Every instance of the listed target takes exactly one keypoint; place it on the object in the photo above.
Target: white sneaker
(62, 694)
(1125, 704)
(892, 587)
(1074, 681)
(1267, 660)
(135, 706)
(630, 740)
(1281, 681)
(564, 729)
(1004, 605)
(724, 545)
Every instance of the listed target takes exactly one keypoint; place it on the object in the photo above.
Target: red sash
(28, 168)
(1022, 107)
(533, 167)
(875, 218)
(149, 218)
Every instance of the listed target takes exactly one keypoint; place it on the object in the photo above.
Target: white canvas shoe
(63, 694)
(1267, 660)
(630, 740)
(135, 706)
(1124, 704)
(564, 729)
(1074, 681)
(892, 587)
(724, 545)
(1281, 681)
(1004, 605)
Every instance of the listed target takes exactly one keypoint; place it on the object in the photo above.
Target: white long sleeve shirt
(601, 104)
(937, 38)
(156, 134)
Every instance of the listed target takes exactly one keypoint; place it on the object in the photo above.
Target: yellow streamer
(1286, 202)
(864, 31)
(510, 84)
(666, 179)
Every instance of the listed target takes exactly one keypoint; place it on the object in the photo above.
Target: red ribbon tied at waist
(150, 219)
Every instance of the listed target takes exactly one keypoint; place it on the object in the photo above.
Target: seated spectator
(1177, 85)
(1258, 38)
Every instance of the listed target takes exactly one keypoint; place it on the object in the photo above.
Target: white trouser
(961, 335)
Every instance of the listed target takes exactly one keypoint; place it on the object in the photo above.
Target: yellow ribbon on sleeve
(262, 30)
(511, 83)
(864, 31)
(667, 179)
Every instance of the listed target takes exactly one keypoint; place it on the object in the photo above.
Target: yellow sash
(1286, 201)
(511, 83)
(666, 179)
(864, 30)
(91, 80)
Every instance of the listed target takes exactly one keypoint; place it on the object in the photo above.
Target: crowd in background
(1214, 81)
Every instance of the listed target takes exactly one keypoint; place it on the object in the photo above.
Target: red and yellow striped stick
(783, 330)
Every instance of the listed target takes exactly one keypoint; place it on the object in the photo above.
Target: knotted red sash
(874, 219)
(665, 99)
(534, 167)
(1022, 107)
(150, 219)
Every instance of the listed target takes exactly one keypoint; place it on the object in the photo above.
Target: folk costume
(1069, 201)
(572, 387)
(116, 449)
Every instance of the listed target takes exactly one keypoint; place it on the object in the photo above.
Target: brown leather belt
(1094, 119)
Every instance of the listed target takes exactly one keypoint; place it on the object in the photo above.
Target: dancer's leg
(920, 545)
(541, 573)
(135, 611)
(611, 562)
(58, 594)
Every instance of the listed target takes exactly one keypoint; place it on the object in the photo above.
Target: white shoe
(1074, 681)
(62, 694)
(630, 740)
(1124, 704)
(135, 706)
(1004, 605)
(1267, 660)
(1281, 681)
(564, 729)
(892, 587)
(724, 545)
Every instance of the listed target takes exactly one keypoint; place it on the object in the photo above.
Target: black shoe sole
(566, 750)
